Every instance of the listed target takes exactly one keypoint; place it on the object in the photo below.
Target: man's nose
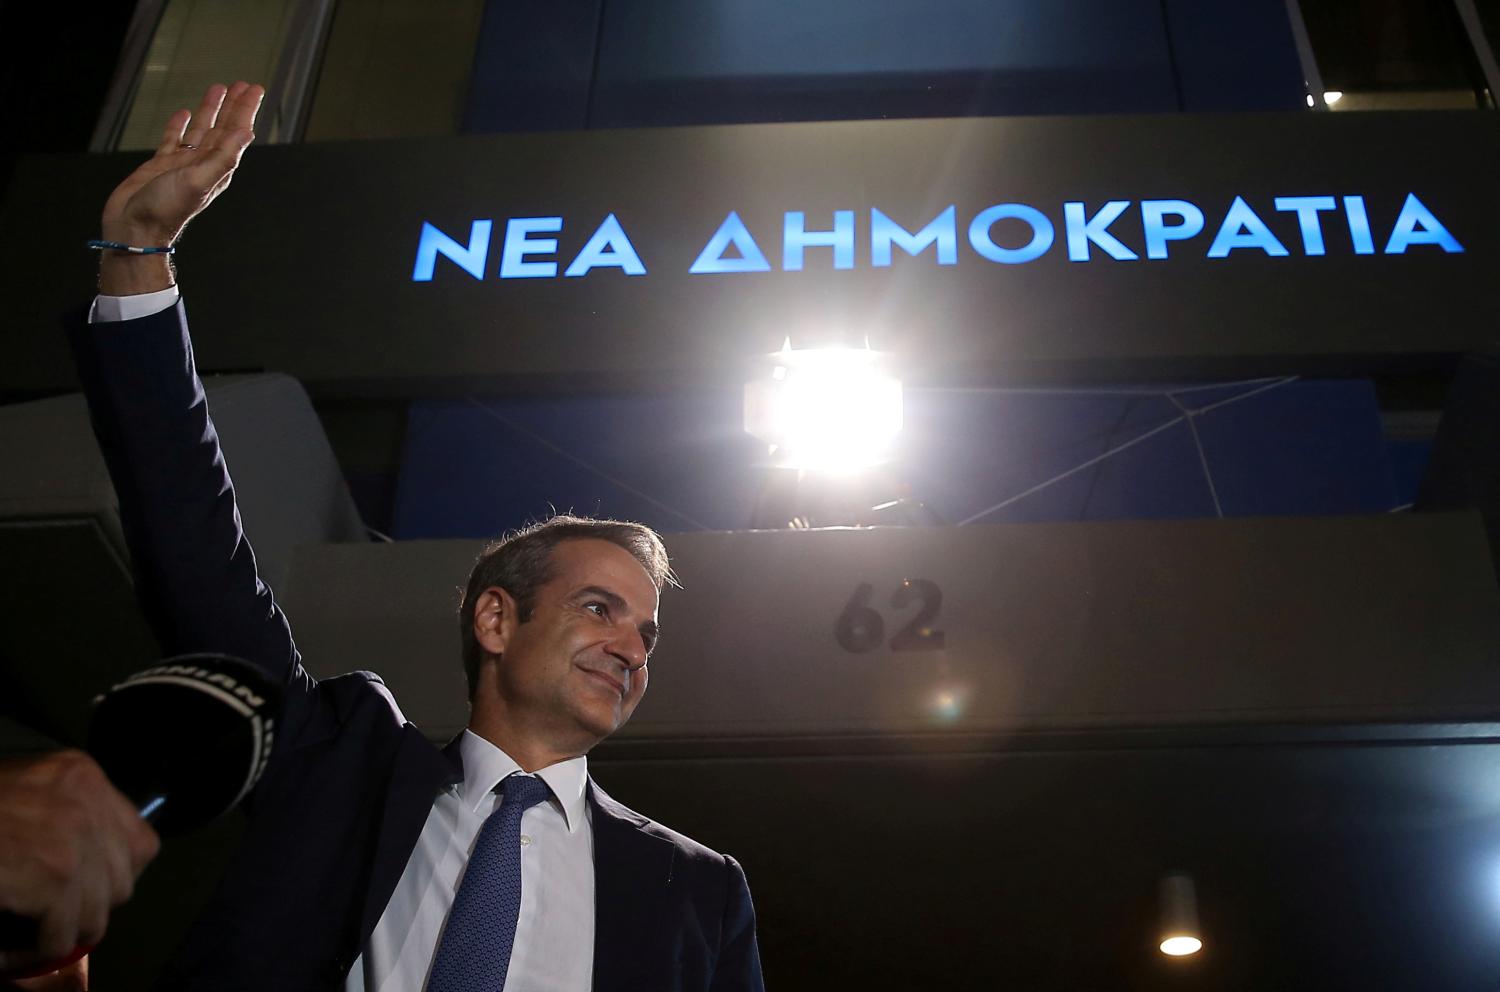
(629, 646)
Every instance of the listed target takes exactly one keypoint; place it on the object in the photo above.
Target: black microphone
(185, 741)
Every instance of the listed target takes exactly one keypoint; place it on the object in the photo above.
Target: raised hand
(194, 163)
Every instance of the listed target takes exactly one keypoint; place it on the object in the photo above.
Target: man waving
(375, 860)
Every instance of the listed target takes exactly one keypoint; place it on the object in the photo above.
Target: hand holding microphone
(71, 848)
(172, 747)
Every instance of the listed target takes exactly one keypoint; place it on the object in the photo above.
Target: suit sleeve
(195, 571)
(738, 966)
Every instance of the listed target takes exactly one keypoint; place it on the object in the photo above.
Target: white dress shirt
(554, 946)
(131, 307)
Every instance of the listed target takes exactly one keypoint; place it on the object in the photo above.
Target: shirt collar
(486, 766)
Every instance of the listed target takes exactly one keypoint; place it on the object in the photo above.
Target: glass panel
(689, 61)
(200, 42)
(398, 69)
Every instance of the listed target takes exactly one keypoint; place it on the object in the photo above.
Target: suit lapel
(632, 870)
(419, 773)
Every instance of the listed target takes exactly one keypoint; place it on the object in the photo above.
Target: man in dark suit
(375, 860)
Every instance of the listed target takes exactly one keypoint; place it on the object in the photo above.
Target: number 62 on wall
(861, 629)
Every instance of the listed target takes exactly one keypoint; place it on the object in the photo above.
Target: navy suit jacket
(350, 782)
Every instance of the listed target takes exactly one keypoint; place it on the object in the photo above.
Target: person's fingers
(126, 841)
(120, 813)
(212, 172)
(57, 933)
(143, 844)
(132, 842)
(206, 114)
(171, 136)
(69, 978)
(225, 117)
(116, 871)
(240, 109)
(102, 865)
(93, 916)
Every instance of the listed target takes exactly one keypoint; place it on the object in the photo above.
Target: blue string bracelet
(97, 245)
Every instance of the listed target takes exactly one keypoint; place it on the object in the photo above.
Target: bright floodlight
(827, 409)
(1181, 946)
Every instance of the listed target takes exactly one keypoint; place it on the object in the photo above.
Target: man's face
(574, 672)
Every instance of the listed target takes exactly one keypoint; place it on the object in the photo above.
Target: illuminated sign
(976, 251)
(529, 246)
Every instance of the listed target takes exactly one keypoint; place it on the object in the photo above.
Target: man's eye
(597, 608)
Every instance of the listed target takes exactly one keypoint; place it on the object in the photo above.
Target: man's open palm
(194, 163)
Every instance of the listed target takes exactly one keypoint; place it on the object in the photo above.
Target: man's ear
(495, 619)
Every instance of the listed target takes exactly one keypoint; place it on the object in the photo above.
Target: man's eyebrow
(614, 599)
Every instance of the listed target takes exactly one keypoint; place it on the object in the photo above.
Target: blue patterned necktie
(474, 951)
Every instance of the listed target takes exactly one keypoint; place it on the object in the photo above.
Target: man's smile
(614, 683)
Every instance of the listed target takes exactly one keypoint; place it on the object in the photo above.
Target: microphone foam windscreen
(196, 729)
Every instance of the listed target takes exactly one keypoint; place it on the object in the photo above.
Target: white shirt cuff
(113, 308)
